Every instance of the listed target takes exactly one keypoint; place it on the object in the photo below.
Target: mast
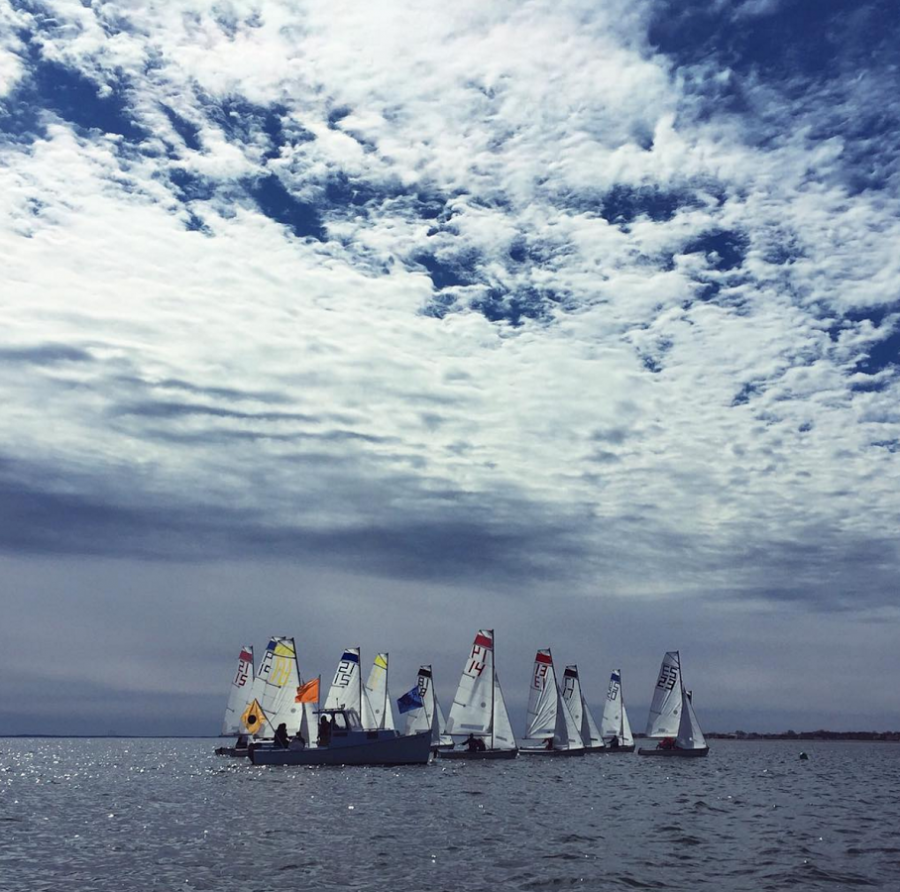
(493, 673)
(385, 703)
(359, 684)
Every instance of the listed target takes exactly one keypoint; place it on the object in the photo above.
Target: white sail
(346, 691)
(665, 710)
(614, 721)
(280, 682)
(241, 693)
(542, 698)
(440, 723)
(472, 709)
(581, 713)
(690, 737)
(502, 735)
(376, 705)
(566, 735)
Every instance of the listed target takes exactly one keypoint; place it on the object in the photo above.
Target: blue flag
(412, 699)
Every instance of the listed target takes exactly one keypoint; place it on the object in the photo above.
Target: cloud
(557, 291)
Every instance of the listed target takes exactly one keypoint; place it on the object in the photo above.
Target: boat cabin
(344, 728)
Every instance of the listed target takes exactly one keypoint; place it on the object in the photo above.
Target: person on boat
(480, 745)
(281, 736)
(614, 742)
(549, 744)
(471, 743)
(299, 741)
(667, 743)
(324, 731)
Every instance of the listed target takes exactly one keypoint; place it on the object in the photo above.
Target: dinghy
(550, 727)
(238, 699)
(614, 725)
(423, 710)
(672, 715)
(478, 709)
(581, 713)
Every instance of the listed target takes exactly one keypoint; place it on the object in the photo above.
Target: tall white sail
(665, 710)
(376, 704)
(241, 693)
(614, 721)
(690, 737)
(502, 735)
(472, 709)
(439, 722)
(542, 698)
(346, 691)
(280, 683)
(566, 735)
(581, 713)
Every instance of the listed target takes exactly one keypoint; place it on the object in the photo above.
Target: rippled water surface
(168, 814)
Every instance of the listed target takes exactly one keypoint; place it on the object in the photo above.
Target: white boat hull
(372, 748)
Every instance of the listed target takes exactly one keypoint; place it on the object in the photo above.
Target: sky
(377, 324)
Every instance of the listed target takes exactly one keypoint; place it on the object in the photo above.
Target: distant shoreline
(873, 736)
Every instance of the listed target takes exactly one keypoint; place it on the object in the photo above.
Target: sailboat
(550, 720)
(614, 725)
(479, 709)
(238, 698)
(573, 697)
(672, 715)
(428, 715)
(377, 712)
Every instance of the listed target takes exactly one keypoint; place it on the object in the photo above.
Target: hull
(541, 751)
(356, 750)
(478, 756)
(681, 754)
(613, 751)
(237, 753)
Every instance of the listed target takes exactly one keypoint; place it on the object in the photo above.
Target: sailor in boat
(281, 736)
(549, 744)
(474, 744)
(324, 731)
(299, 741)
(614, 742)
(667, 743)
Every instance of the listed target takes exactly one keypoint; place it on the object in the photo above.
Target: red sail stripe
(245, 657)
(543, 658)
(483, 641)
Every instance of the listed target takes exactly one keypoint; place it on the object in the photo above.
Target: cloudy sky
(379, 323)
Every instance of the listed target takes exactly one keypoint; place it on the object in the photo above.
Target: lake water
(167, 814)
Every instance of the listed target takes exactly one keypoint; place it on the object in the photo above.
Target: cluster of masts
(271, 701)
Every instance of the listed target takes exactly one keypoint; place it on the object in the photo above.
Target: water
(167, 814)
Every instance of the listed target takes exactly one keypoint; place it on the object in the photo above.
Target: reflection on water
(167, 814)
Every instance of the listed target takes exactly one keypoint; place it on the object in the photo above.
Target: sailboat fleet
(356, 723)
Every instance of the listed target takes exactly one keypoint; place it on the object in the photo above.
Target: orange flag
(308, 693)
